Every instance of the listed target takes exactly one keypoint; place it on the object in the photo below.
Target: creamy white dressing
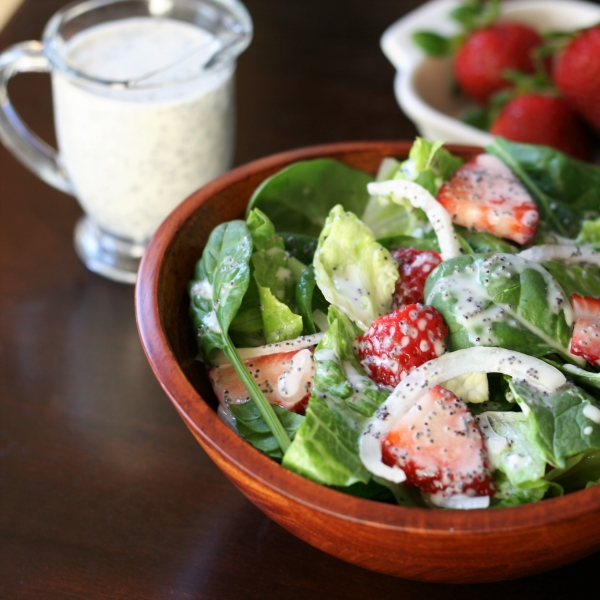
(569, 254)
(132, 155)
(592, 413)
(211, 322)
(288, 384)
(203, 288)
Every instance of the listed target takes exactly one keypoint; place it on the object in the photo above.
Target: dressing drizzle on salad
(522, 402)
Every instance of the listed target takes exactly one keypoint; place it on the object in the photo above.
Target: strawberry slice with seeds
(285, 378)
(396, 344)
(485, 195)
(414, 266)
(439, 446)
(586, 340)
(585, 307)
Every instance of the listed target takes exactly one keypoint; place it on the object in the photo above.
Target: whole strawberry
(577, 74)
(482, 60)
(547, 120)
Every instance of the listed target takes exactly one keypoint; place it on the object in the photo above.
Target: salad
(429, 337)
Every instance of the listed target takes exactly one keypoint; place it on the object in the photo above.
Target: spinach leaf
(566, 190)
(482, 242)
(580, 472)
(300, 247)
(587, 379)
(407, 241)
(500, 300)
(508, 438)
(254, 429)
(221, 279)
(575, 279)
(220, 282)
(298, 198)
(561, 423)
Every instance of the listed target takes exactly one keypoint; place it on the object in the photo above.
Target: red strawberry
(285, 378)
(480, 62)
(397, 343)
(439, 446)
(484, 195)
(586, 341)
(585, 307)
(546, 120)
(577, 74)
(414, 266)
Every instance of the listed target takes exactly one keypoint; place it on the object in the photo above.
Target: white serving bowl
(423, 85)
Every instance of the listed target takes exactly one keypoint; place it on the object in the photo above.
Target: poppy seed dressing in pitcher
(134, 151)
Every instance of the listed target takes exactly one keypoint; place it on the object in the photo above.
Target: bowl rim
(207, 426)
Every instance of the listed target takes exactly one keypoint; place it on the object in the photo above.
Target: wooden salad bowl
(414, 543)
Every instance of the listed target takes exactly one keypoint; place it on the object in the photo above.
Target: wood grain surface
(104, 494)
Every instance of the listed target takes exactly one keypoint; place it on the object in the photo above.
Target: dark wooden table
(103, 491)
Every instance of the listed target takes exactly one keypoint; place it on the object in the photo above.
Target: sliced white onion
(532, 370)
(568, 254)
(304, 341)
(419, 197)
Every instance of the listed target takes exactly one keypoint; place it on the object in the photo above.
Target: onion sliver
(304, 341)
(569, 254)
(532, 370)
(419, 197)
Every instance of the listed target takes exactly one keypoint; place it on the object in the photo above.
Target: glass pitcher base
(103, 253)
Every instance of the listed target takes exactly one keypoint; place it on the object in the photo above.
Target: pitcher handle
(26, 146)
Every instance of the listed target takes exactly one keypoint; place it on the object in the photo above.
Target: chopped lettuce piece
(501, 300)
(429, 165)
(325, 448)
(253, 428)
(355, 273)
(298, 198)
(564, 423)
(508, 439)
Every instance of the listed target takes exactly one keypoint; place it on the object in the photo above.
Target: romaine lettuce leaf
(429, 165)
(275, 281)
(355, 273)
(325, 448)
(501, 300)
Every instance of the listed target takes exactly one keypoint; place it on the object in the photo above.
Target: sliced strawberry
(484, 195)
(285, 378)
(585, 307)
(481, 62)
(414, 266)
(544, 119)
(586, 340)
(439, 446)
(577, 74)
(398, 343)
